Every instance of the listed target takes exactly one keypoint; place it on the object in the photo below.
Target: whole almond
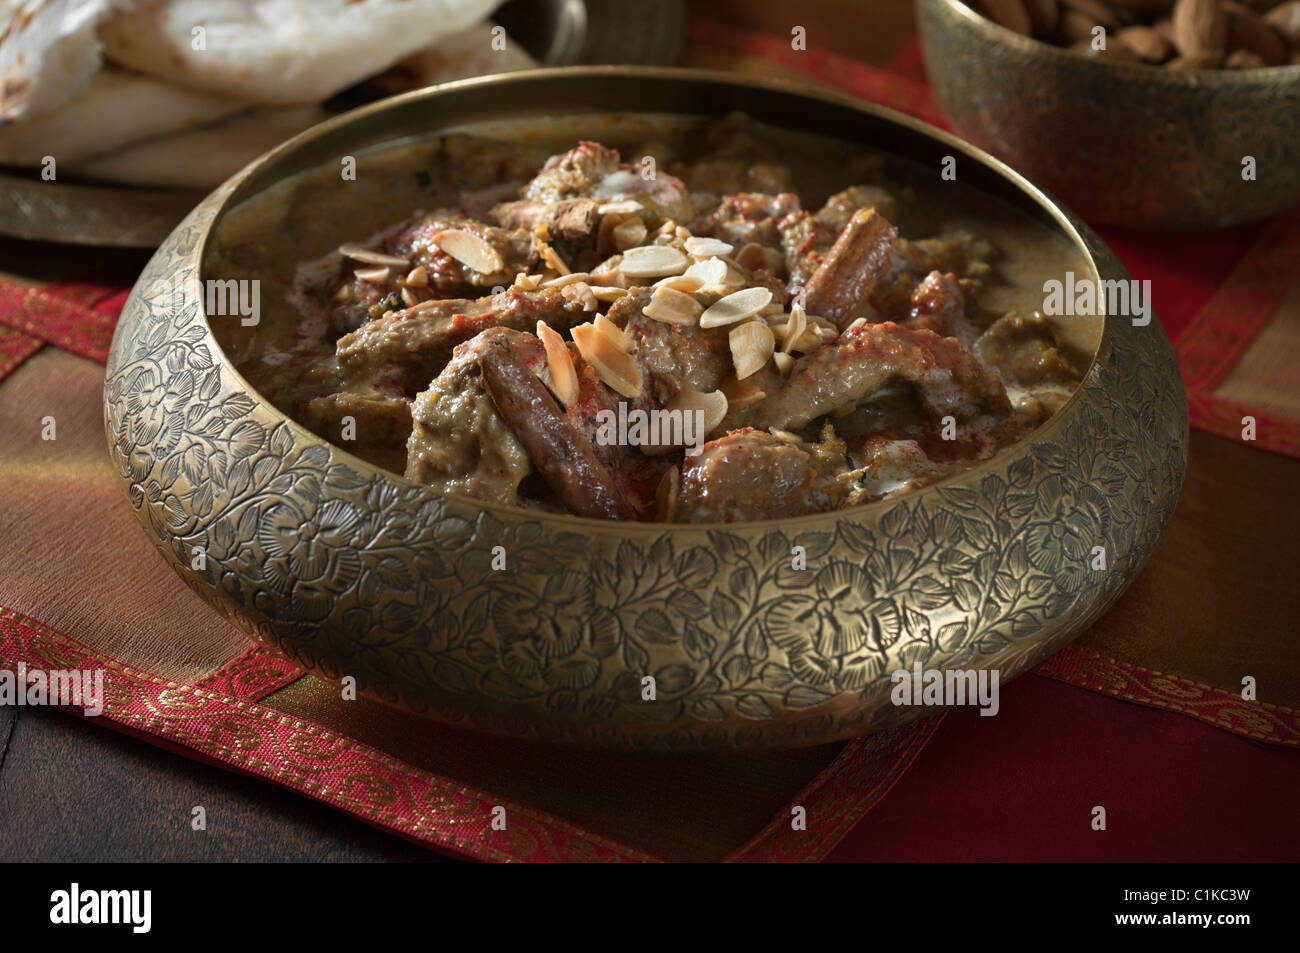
(1195, 61)
(1243, 59)
(1010, 14)
(1043, 15)
(1248, 32)
(1096, 10)
(1200, 27)
(1116, 51)
(1074, 27)
(1146, 42)
(1285, 18)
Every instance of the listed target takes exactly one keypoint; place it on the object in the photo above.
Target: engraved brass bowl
(1118, 143)
(394, 586)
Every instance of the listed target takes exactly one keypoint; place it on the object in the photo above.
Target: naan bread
(117, 109)
(48, 53)
(280, 52)
(201, 158)
(459, 55)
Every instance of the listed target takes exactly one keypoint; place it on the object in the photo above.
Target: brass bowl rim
(1073, 229)
(1186, 79)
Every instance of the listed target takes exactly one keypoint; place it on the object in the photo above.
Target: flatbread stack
(183, 93)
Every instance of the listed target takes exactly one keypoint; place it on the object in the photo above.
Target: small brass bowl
(1118, 143)
(395, 586)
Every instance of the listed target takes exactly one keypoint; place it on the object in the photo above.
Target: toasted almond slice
(794, 328)
(525, 282)
(624, 207)
(784, 362)
(667, 230)
(652, 261)
(580, 292)
(710, 273)
(707, 410)
(713, 404)
(564, 379)
(673, 307)
(605, 233)
(409, 297)
(374, 275)
(616, 334)
(344, 294)
(613, 365)
(628, 234)
(742, 394)
(679, 283)
(417, 277)
(553, 260)
(701, 247)
(470, 250)
(608, 292)
(562, 280)
(372, 257)
(784, 434)
(856, 323)
(752, 344)
(736, 306)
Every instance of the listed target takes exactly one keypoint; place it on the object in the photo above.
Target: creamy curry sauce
(841, 325)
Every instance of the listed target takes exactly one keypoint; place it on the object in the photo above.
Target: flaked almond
(713, 404)
(710, 407)
(344, 294)
(741, 394)
(559, 281)
(553, 260)
(612, 364)
(628, 234)
(1200, 27)
(623, 207)
(700, 247)
(470, 250)
(711, 273)
(1008, 13)
(684, 283)
(616, 334)
(559, 362)
(608, 292)
(673, 307)
(794, 327)
(652, 261)
(372, 275)
(417, 277)
(371, 257)
(409, 297)
(752, 345)
(736, 306)
(1248, 32)
(784, 362)
(526, 282)
(580, 293)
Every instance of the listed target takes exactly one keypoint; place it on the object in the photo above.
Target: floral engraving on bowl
(349, 571)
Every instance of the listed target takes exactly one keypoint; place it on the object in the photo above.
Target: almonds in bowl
(1175, 34)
